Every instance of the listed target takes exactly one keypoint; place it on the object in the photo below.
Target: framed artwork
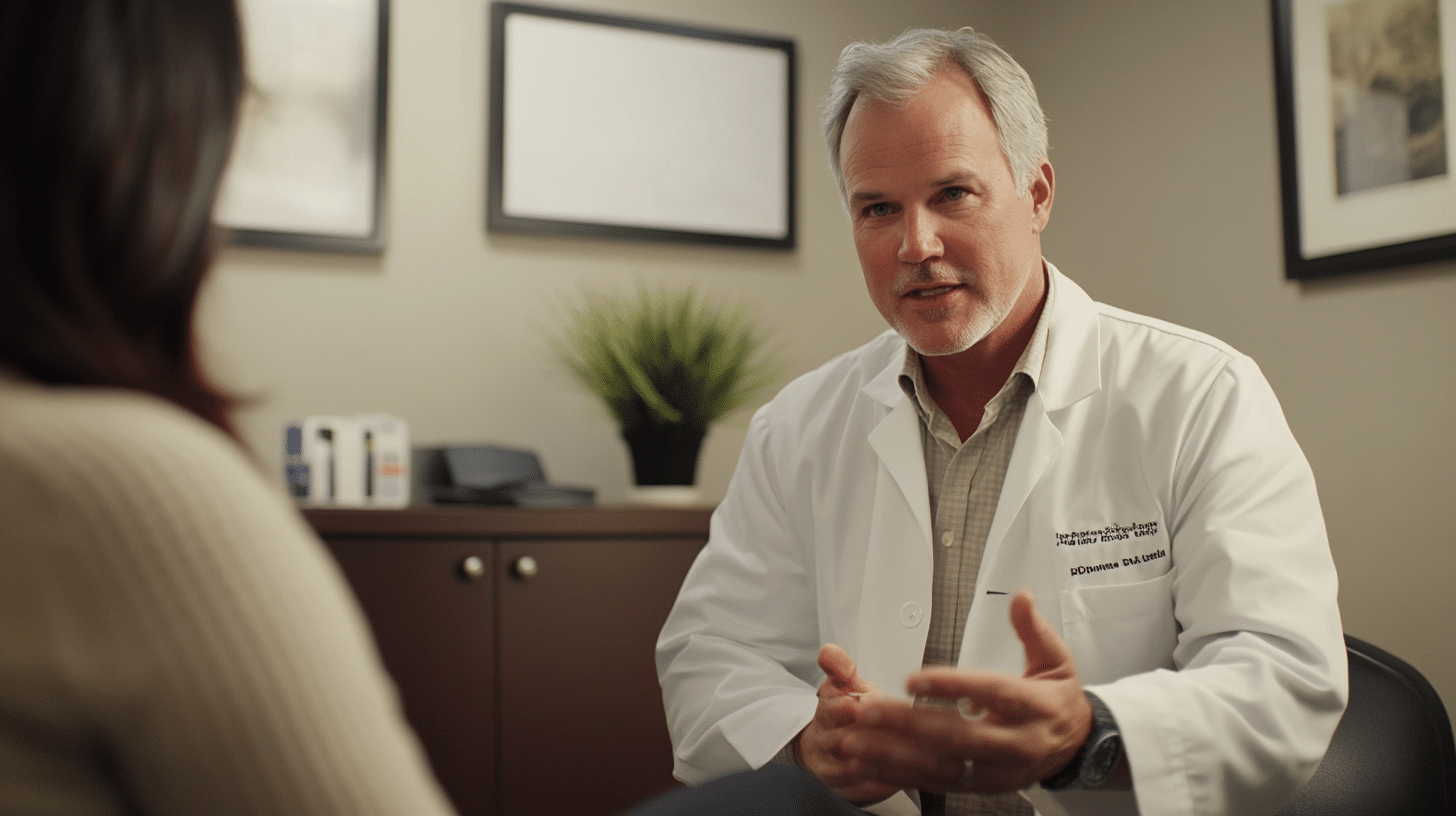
(308, 164)
(615, 127)
(1366, 151)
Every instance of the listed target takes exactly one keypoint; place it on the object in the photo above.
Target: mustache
(929, 275)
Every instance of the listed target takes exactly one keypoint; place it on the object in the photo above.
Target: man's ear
(1043, 189)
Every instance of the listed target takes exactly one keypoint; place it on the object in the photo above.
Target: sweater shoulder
(71, 431)
(113, 459)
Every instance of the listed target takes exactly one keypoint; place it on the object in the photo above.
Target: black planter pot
(664, 454)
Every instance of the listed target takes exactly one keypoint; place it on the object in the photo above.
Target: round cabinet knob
(525, 568)
(472, 568)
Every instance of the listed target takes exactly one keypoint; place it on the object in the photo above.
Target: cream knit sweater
(173, 638)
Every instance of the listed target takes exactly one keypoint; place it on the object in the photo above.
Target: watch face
(1101, 761)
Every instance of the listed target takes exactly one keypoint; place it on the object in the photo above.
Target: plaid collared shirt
(965, 481)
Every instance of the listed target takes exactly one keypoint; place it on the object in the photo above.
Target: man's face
(947, 247)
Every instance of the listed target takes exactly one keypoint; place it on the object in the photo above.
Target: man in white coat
(1024, 549)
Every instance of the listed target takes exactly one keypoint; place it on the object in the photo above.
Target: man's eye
(877, 210)
(955, 193)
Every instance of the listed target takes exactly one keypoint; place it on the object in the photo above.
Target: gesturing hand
(1024, 729)
(819, 746)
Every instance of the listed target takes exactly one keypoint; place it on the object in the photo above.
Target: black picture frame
(1342, 214)
(577, 150)
(273, 199)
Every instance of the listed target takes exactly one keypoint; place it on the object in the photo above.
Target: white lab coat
(1156, 505)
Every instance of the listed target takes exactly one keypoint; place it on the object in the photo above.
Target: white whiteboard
(617, 127)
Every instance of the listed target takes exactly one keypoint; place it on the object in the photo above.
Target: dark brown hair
(119, 116)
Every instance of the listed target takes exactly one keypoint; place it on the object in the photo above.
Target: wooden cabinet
(522, 644)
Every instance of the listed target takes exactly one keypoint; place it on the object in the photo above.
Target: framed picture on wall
(1367, 164)
(308, 164)
(625, 128)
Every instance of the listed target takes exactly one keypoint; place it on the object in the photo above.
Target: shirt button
(947, 539)
(910, 615)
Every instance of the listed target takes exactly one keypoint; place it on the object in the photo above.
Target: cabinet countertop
(456, 521)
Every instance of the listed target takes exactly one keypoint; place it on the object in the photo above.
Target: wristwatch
(1096, 759)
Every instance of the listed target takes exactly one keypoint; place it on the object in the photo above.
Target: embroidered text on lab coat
(1112, 532)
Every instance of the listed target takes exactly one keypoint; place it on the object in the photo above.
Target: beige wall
(448, 329)
(1163, 138)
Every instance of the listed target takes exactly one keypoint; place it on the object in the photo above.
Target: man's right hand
(819, 747)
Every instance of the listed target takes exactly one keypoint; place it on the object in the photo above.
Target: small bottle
(295, 466)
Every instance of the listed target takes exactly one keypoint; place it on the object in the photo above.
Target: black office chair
(1393, 752)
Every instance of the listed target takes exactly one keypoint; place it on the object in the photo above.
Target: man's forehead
(939, 163)
(948, 104)
(931, 146)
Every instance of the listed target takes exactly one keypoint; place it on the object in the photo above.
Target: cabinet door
(432, 612)
(582, 725)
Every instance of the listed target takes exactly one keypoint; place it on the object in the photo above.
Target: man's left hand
(999, 734)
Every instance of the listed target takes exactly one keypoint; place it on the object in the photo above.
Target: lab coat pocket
(1120, 629)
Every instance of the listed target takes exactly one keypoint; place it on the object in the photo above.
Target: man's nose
(921, 241)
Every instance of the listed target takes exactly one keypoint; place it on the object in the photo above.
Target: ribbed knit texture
(173, 638)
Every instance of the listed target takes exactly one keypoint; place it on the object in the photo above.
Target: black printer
(485, 474)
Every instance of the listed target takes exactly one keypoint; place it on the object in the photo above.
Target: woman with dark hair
(173, 638)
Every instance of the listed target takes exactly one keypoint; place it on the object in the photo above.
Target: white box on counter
(348, 461)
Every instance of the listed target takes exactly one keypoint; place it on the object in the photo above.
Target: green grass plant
(664, 357)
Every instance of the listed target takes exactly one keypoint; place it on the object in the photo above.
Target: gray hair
(897, 70)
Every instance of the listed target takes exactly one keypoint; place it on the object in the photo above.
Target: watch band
(1096, 759)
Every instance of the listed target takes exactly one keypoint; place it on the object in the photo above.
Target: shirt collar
(912, 374)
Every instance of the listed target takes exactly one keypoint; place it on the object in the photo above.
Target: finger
(944, 731)
(920, 747)
(840, 668)
(930, 741)
(982, 690)
(937, 730)
(992, 702)
(835, 712)
(1046, 652)
(902, 761)
(843, 774)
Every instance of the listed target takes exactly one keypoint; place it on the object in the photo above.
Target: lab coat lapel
(897, 442)
(1037, 444)
(1071, 371)
(895, 603)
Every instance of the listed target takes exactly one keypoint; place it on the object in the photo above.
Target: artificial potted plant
(667, 364)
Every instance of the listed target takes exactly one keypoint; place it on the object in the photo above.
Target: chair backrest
(1393, 752)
